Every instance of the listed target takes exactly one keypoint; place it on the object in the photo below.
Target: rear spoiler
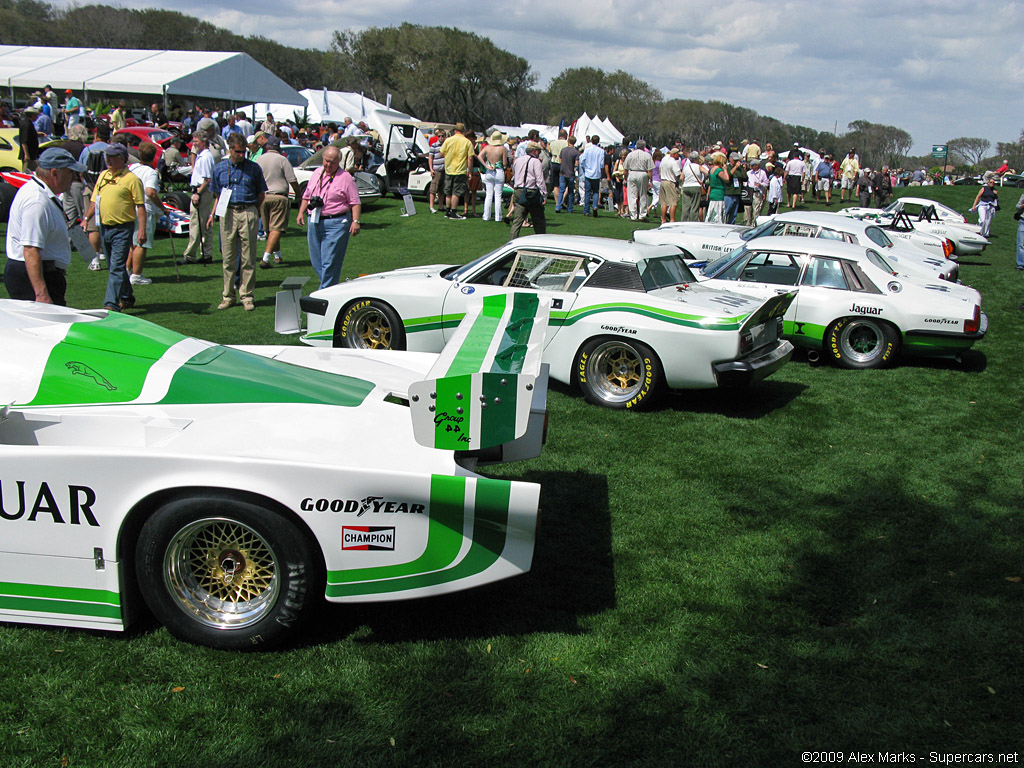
(776, 306)
(488, 388)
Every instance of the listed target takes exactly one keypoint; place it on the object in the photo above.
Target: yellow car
(9, 148)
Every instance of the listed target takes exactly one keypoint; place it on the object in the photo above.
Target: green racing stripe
(444, 541)
(108, 361)
(436, 322)
(74, 601)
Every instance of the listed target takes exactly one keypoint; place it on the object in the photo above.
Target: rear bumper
(750, 370)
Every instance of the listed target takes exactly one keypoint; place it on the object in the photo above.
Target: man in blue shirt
(242, 182)
(591, 166)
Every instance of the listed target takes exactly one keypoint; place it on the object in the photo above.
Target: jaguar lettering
(858, 309)
(80, 501)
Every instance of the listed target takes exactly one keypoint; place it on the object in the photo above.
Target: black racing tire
(186, 552)
(369, 324)
(179, 200)
(618, 373)
(861, 342)
(7, 193)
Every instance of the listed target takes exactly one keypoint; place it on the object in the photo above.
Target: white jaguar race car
(230, 489)
(926, 216)
(915, 253)
(625, 318)
(851, 304)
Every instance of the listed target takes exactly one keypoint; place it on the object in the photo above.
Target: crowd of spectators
(726, 181)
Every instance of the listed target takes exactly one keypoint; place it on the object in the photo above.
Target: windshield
(759, 231)
(876, 258)
(714, 267)
(893, 207)
(460, 274)
(664, 271)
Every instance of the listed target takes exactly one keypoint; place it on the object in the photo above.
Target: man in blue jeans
(591, 166)
(119, 200)
(568, 160)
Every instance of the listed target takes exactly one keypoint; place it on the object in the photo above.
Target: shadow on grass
(750, 403)
(890, 619)
(572, 577)
(964, 263)
(969, 361)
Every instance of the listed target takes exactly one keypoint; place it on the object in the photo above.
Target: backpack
(95, 164)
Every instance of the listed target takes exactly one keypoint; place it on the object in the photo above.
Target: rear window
(878, 237)
(664, 271)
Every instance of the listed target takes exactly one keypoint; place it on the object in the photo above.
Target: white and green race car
(851, 304)
(233, 488)
(626, 319)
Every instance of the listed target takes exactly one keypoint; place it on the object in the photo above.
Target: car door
(523, 270)
(825, 294)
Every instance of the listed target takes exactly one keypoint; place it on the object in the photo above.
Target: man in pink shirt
(332, 200)
(529, 191)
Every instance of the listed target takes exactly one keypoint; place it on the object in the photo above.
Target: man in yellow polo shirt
(456, 151)
(117, 201)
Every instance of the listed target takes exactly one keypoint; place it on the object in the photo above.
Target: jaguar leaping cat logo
(81, 369)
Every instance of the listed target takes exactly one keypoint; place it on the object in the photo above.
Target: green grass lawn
(831, 560)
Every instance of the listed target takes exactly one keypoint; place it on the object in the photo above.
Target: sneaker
(140, 280)
(433, 210)
(94, 265)
(225, 303)
(265, 264)
(457, 217)
(261, 237)
(248, 304)
(278, 261)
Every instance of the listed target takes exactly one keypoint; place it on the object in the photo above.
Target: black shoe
(184, 262)
(207, 260)
(127, 302)
(595, 213)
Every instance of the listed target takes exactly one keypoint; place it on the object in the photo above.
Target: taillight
(947, 247)
(746, 342)
(974, 324)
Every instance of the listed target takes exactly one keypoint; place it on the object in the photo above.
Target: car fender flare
(131, 526)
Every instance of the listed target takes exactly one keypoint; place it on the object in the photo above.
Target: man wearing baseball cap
(118, 201)
(38, 251)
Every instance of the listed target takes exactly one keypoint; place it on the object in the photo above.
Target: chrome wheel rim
(370, 329)
(222, 573)
(617, 371)
(861, 341)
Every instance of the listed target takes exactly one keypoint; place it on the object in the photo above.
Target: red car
(136, 134)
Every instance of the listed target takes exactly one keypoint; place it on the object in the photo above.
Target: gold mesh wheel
(372, 329)
(222, 572)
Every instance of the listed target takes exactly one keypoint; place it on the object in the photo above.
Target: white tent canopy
(235, 77)
(588, 126)
(323, 106)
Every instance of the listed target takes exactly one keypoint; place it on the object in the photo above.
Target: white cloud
(937, 68)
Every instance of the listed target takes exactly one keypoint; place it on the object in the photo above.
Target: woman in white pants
(985, 204)
(494, 159)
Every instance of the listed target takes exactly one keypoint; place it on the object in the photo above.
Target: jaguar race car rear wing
(488, 388)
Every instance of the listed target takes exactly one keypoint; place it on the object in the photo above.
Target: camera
(315, 201)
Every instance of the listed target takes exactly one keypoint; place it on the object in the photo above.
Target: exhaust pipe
(813, 355)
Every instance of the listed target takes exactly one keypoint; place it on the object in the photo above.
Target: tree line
(449, 75)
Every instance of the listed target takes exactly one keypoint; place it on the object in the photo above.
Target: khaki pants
(238, 233)
(689, 204)
(198, 234)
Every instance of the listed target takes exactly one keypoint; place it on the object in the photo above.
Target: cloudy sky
(939, 69)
